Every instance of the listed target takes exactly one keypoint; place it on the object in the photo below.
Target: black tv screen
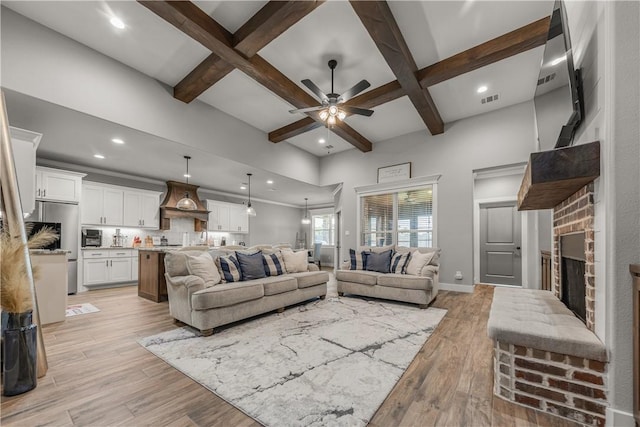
(558, 99)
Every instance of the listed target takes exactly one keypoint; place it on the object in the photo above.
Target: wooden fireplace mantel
(552, 176)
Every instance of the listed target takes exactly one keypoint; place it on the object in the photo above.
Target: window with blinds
(404, 218)
(324, 229)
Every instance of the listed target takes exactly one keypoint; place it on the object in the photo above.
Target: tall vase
(19, 353)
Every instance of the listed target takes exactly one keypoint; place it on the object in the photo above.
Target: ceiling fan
(332, 103)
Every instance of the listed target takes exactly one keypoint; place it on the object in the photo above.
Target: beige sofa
(206, 308)
(419, 289)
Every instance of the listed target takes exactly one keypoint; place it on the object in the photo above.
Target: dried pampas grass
(15, 291)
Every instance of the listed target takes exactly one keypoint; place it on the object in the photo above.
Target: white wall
(42, 63)
(501, 137)
(606, 43)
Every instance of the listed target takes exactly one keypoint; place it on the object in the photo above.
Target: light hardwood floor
(98, 374)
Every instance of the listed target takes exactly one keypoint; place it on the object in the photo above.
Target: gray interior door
(500, 242)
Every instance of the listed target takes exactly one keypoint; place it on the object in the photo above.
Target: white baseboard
(616, 418)
(455, 287)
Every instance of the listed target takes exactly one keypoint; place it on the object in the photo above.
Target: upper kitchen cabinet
(24, 144)
(57, 185)
(141, 209)
(238, 219)
(102, 204)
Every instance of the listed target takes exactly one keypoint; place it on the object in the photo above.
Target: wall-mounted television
(558, 100)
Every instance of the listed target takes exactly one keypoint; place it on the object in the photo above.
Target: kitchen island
(151, 282)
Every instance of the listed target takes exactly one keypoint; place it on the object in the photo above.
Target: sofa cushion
(278, 284)
(435, 251)
(175, 262)
(379, 261)
(357, 276)
(381, 249)
(310, 278)
(399, 263)
(229, 268)
(417, 261)
(203, 267)
(295, 262)
(404, 281)
(273, 264)
(226, 294)
(251, 266)
(358, 259)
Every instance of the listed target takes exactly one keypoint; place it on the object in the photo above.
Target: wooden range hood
(553, 176)
(176, 191)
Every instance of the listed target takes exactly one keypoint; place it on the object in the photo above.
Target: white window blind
(403, 217)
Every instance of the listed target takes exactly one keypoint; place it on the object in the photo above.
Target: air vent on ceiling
(490, 98)
(328, 147)
(546, 79)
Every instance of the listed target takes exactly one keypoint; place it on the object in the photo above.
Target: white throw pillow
(295, 262)
(417, 261)
(204, 267)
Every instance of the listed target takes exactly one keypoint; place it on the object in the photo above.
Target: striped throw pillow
(399, 262)
(229, 268)
(273, 264)
(358, 259)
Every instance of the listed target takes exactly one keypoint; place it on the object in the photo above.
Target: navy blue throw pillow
(252, 266)
(379, 262)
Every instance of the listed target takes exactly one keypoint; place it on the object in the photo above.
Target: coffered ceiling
(267, 48)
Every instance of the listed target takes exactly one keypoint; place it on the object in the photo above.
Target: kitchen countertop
(48, 252)
(101, 248)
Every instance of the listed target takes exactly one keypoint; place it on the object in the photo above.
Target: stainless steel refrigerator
(68, 215)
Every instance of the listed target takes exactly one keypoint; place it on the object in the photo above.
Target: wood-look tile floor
(98, 374)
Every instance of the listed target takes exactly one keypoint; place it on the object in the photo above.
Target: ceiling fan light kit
(333, 108)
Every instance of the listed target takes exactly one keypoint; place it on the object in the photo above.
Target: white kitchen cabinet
(102, 205)
(105, 266)
(218, 216)
(141, 209)
(24, 144)
(58, 185)
(135, 261)
(238, 219)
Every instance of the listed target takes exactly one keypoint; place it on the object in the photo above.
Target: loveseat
(199, 296)
(415, 282)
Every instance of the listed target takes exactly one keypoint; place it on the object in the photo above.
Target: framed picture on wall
(394, 172)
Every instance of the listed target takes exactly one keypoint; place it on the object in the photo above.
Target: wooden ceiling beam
(521, 40)
(262, 28)
(195, 23)
(518, 41)
(377, 18)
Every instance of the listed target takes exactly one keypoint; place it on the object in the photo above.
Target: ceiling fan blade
(306, 110)
(315, 89)
(356, 110)
(359, 87)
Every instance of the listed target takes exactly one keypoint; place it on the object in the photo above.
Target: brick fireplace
(571, 218)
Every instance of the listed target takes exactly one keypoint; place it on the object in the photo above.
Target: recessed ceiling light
(482, 89)
(117, 141)
(243, 187)
(117, 22)
(98, 156)
(559, 60)
(269, 181)
(187, 175)
(321, 141)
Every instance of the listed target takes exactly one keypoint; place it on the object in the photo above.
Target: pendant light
(306, 220)
(250, 210)
(186, 204)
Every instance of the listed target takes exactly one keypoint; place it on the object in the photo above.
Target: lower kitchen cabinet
(106, 266)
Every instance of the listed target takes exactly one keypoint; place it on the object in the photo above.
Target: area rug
(74, 310)
(326, 363)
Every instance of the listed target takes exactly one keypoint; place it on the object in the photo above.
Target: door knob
(518, 247)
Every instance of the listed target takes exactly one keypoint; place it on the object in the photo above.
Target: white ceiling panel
(147, 43)
(231, 14)
(240, 96)
(332, 31)
(309, 141)
(513, 79)
(392, 119)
